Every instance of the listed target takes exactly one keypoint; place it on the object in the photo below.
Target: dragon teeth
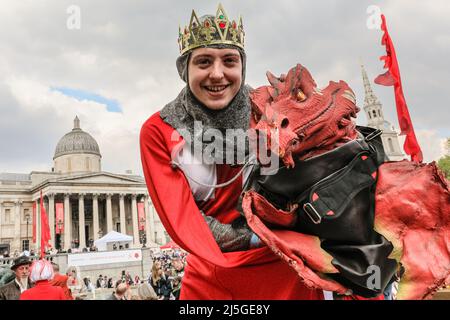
(349, 95)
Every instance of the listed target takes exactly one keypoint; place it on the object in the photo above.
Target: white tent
(113, 238)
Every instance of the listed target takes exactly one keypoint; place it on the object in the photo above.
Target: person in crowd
(13, 289)
(60, 280)
(146, 292)
(156, 278)
(110, 283)
(176, 287)
(99, 283)
(88, 284)
(178, 267)
(128, 279)
(73, 279)
(41, 274)
(119, 293)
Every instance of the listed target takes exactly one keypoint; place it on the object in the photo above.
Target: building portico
(82, 202)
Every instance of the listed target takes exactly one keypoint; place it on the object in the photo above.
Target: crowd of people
(162, 283)
(32, 280)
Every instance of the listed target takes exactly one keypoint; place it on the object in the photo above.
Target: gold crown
(218, 31)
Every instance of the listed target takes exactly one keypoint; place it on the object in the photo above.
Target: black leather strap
(331, 195)
(335, 192)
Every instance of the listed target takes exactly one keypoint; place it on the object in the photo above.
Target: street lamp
(27, 219)
(60, 233)
(143, 235)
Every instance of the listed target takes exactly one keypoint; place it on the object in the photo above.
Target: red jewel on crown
(222, 25)
(233, 25)
(206, 24)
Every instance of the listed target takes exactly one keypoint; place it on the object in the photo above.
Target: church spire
(375, 119)
(76, 123)
(370, 98)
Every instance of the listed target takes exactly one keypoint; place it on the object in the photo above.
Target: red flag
(45, 229)
(34, 222)
(392, 78)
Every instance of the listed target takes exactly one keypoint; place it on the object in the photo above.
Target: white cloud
(433, 147)
(127, 53)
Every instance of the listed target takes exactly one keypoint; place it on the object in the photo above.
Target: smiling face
(215, 76)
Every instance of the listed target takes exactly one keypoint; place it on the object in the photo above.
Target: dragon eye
(284, 123)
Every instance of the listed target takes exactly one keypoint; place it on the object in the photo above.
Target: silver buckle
(312, 213)
(373, 135)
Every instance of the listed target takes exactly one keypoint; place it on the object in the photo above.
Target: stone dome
(76, 141)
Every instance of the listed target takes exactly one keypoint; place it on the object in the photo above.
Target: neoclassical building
(82, 202)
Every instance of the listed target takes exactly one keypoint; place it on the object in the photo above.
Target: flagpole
(38, 228)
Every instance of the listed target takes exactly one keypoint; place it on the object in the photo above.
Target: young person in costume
(196, 199)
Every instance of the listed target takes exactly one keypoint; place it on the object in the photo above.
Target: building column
(81, 222)
(1, 215)
(109, 222)
(16, 245)
(123, 226)
(38, 226)
(51, 217)
(67, 222)
(152, 220)
(134, 217)
(95, 214)
(148, 229)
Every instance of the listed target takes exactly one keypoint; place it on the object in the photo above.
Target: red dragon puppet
(346, 219)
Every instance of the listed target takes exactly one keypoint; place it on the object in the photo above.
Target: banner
(104, 257)
(59, 221)
(141, 216)
(34, 222)
(392, 78)
(45, 229)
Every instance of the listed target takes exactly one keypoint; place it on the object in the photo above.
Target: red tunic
(210, 274)
(43, 290)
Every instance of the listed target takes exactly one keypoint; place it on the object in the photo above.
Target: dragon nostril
(300, 137)
(284, 123)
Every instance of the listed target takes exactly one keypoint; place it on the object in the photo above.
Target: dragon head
(300, 120)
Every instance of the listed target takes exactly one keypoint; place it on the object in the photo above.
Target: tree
(444, 165)
(444, 162)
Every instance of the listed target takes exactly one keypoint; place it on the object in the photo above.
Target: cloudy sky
(118, 68)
